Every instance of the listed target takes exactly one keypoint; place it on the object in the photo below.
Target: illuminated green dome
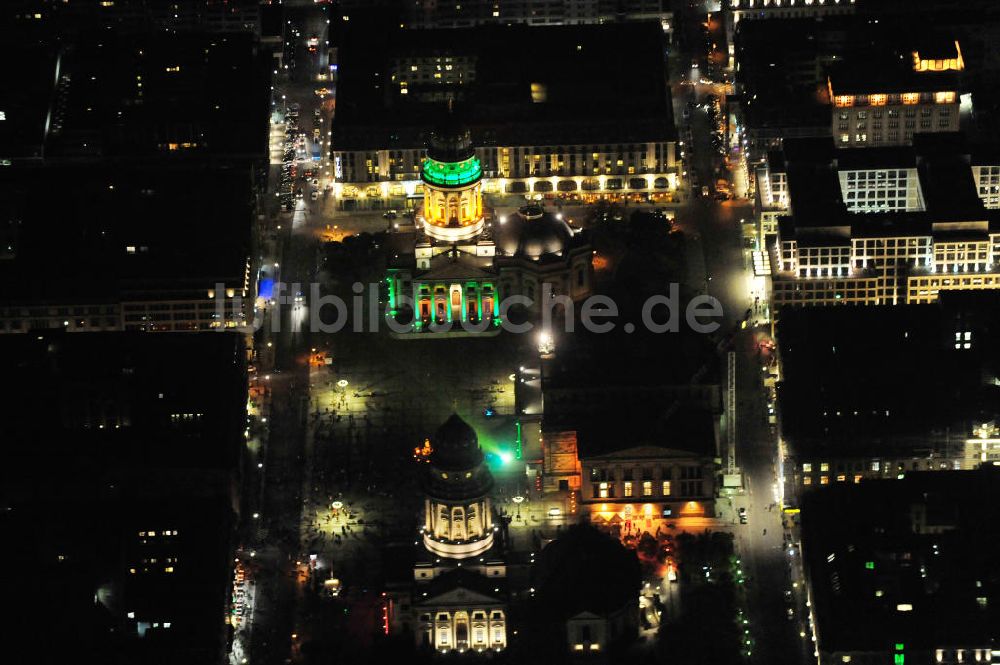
(451, 159)
(451, 174)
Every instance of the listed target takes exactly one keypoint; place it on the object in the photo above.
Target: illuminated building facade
(933, 453)
(863, 264)
(879, 119)
(856, 408)
(879, 226)
(462, 619)
(983, 447)
(871, 110)
(537, 131)
(884, 180)
(639, 489)
(459, 600)
(588, 172)
(866, 83)
(560, 462)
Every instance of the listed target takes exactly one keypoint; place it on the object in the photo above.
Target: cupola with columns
(458, 519)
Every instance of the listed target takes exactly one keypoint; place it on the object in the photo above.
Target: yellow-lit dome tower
(452, 176)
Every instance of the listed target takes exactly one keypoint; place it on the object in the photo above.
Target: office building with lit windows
(158, 141)
(735, 11)
(855, 407)
(866, 82)
(887, 105)
(180, 98)
(122, 475)
(558, 119)
(900, 571)
(434, 14)
(880, 225)
(216, 16)
(156, 244)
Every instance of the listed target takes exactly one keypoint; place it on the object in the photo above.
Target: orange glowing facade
(640, 489)
(954, 63)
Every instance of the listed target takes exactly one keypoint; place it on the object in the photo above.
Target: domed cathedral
(520, 255)
(535, 248)
(458, 521)
(459, 594)
(458, 262)
(452, 177)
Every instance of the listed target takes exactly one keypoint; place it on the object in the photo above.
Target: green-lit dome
(451, 174)
(451, 159)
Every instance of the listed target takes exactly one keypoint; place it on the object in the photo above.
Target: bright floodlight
(545, 343)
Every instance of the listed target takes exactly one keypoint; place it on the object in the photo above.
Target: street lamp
(518, 500)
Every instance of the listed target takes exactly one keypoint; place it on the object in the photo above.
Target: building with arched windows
(558, 119)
